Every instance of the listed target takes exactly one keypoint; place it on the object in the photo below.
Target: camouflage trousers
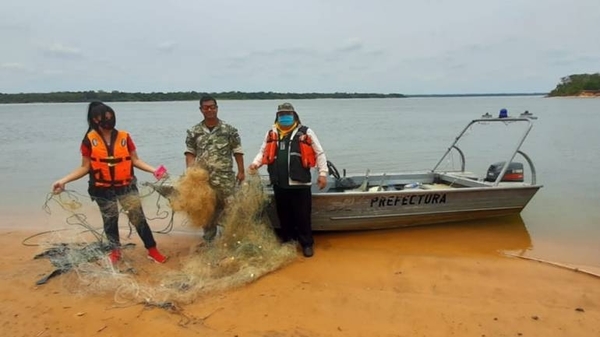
(224, 184)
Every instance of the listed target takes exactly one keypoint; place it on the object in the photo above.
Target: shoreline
(488, 236)
(355, 285)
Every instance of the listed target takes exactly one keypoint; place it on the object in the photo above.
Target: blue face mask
(285, 120)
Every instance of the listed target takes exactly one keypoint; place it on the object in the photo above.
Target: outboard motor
(514, 172)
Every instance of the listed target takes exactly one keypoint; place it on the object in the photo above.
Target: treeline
(509, 94)
(575, 85)
(118, 96)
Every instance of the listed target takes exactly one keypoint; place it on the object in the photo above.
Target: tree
(574, 85)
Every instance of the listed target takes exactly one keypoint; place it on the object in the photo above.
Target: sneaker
(156, 256)
(307, 251)
(114, 256)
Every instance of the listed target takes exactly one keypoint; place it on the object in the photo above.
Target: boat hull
(393, 209)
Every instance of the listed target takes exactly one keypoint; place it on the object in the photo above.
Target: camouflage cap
(286, 107)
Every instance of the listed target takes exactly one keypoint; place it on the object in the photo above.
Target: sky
(379, 46)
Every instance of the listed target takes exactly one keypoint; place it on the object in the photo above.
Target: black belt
(111, 161)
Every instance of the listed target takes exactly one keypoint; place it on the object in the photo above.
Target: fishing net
(245, 250)
(193, 195)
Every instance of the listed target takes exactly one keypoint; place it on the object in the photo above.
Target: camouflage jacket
(214, 149)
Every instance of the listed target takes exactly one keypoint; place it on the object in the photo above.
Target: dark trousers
(294, 206)
(129, 198)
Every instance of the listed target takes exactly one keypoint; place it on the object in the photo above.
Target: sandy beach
(379, 283)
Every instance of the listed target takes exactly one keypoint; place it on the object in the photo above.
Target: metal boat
(390, 200)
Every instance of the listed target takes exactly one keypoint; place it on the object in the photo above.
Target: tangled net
(193, 195)
(246, 249)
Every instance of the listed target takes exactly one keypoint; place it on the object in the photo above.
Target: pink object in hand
(160, 172)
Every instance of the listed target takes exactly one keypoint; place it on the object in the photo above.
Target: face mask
(108, 124)
(285, 120)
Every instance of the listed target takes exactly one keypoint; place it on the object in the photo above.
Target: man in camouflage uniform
(213, 144)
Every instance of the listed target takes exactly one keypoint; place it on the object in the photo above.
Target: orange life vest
(110, 166)
(306, 151)
(270, 152)
(309, 159)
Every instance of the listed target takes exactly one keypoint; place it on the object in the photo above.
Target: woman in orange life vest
(290, 150)
(109, 155)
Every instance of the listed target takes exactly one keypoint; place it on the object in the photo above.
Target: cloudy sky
(410, 47)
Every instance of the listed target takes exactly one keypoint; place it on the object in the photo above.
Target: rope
(556, 264)
(69, 200)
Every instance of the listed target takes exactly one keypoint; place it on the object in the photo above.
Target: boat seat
(454, 179)
(436, 187)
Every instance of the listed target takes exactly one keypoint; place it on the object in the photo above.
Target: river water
(39, 143)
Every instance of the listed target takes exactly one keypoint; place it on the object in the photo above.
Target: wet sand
(428, 281)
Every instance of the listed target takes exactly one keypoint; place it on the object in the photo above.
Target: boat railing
(531, 166)
(462, 157)
(485, 119)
